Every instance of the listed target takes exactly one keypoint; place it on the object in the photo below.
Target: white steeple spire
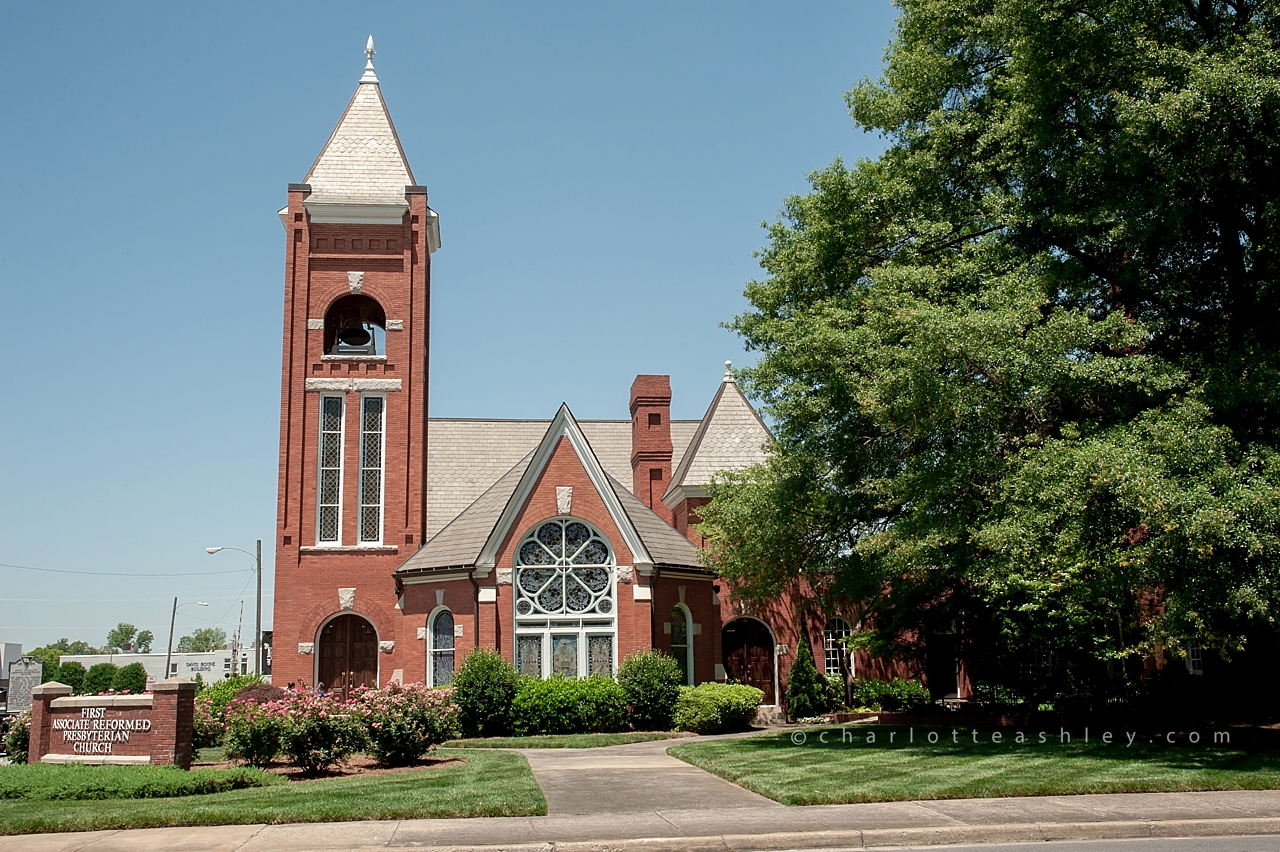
(369, 76)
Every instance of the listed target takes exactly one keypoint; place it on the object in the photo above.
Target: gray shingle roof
(664, 542)
(473, 448)
(362, 163)
(465, 457)
(731, 436)
(459, 543)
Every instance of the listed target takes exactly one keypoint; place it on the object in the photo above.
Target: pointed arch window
(682, 641)
(564, 600)
(442, 648)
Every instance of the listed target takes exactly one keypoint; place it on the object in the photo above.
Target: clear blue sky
(601, 171)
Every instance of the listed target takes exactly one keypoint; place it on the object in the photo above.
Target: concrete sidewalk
(632, 778)
(729, 828)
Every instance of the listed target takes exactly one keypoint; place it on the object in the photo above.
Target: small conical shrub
(806, 690)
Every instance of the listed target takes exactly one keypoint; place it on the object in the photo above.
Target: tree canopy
(126, 634)
(1022, 366)
(203, 639)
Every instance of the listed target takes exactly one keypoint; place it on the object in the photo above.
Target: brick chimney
(651, 441)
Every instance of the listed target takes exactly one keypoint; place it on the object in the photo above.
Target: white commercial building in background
(211, 666)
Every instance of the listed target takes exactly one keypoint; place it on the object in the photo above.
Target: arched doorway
(748, 655)
(348, 654)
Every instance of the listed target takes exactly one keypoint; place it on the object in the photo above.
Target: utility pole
(257, 627)
(169, 656)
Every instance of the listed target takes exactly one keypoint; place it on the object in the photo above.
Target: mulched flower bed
(360, 764)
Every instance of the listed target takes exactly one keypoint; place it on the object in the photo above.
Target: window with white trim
(372, 417)
(682, 642)
(835, 652)
(442, 633)
(329, 480)
(565, 615)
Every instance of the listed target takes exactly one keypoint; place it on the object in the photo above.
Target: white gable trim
(564, 425)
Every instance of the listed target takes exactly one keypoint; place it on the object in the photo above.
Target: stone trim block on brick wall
(352, 385)
(306, 647)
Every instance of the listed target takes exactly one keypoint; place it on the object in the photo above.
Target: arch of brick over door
(369, 609)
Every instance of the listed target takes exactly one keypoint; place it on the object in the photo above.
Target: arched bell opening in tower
(355, 325)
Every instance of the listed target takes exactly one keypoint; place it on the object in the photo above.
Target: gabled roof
(458, 545)
(362, 163)
(730, 437)
(466, 456)
(472, 539)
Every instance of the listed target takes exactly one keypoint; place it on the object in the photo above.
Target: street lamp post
(257, 628)
(168, 657)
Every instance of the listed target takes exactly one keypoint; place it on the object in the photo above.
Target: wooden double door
(348, 654)
(748, 655)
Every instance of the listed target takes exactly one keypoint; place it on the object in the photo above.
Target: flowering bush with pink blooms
(402, 723)
(317, 730)
(253, 731)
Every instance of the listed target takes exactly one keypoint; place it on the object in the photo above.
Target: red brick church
(404, 541)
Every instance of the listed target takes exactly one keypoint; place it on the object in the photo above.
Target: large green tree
(203, 639)
(1023, 366)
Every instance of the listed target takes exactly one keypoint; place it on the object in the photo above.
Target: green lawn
(47, 782)
(568, 740)
(489, 783)
(858, 771)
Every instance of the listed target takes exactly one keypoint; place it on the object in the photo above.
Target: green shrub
(806, 689)
(716, 708)
(98, 678)
(72, 674)
(834, 684)
(221, 693)
(211, 703)
(484, 688)
(890, 696)
(402, 723)
(562, 706)
(131, 679)
(43, 781)
(17, 740)
(651, 681)
(252, 732)
(317, 730)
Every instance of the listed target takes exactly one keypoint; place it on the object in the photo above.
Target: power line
(114, 600)
(119, 574)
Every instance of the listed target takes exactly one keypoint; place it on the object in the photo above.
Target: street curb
(890, 837)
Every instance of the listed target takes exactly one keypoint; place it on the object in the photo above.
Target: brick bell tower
(353, 403)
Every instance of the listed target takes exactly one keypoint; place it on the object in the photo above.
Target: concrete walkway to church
(632, 778)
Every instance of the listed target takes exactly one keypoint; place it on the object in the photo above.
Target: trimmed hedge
(651, 681)
(61, 783)
(595, 705)
(484, 688)
(98, 678)
(891, 696)
(131, 678)
(716, 708)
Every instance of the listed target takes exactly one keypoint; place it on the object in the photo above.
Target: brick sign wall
(120, 729)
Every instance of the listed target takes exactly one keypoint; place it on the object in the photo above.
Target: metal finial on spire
(369, 76)
(728, 371)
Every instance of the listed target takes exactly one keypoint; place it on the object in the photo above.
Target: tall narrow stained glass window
(329, 484)
(442, 649)
(371, 417)
(680, 642)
